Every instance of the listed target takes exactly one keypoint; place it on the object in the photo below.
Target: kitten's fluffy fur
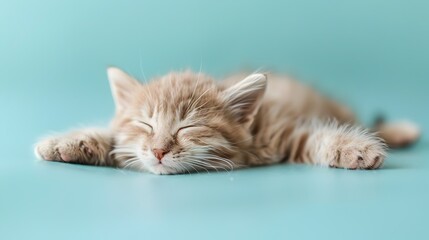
(186, 122)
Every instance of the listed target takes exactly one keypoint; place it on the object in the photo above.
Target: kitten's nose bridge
(162, 144)
(159, 153)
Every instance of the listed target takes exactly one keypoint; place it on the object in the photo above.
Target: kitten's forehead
(178, 97)
(184, 84)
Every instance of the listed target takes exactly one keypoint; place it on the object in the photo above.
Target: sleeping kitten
(186, 122)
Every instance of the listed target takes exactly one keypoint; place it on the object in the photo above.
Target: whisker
(198, 164)
(191, 165)
(203, 163)
(131, 163)
(211, 160)
(183, 167)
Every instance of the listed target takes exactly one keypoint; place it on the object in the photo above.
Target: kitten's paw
(46, 149)
(355, 148)
(76, 149)
(369, 156)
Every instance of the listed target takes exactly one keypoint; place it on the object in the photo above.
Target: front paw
(359, 157)
(66, 149)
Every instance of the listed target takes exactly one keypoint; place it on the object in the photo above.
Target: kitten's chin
(161, 169)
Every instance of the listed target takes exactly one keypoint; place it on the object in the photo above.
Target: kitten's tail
(397, 134)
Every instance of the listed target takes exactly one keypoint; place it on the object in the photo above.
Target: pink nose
(159, 153)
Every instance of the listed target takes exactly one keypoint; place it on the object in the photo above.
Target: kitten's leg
(87, 146)
(342, 146)
(395, 134)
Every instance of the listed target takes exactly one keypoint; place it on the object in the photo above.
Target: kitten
(186, 122)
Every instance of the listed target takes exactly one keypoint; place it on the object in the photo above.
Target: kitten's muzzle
(159, 153)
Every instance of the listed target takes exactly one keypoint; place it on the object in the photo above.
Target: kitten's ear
(122, 86)
(245, 97)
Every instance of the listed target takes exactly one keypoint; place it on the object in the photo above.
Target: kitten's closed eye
(193, 130)
(188, 126)
(146, 126)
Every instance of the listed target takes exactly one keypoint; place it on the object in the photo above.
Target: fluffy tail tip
(399, 134)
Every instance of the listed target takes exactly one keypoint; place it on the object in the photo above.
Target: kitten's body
(185, 122)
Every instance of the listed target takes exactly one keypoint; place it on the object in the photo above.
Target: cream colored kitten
(185, 122)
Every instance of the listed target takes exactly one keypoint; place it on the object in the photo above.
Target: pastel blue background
(372, 54)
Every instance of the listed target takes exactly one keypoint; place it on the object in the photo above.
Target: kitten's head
(183, 122)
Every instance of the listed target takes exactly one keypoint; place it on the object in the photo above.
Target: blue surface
(372, 54)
